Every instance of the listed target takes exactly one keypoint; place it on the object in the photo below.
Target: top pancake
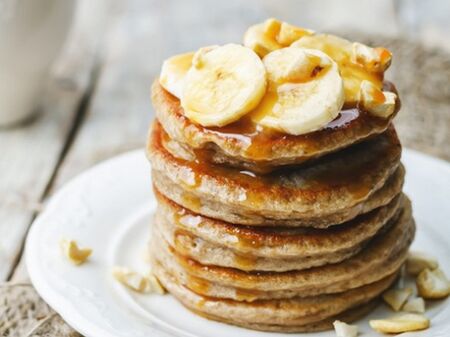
(332, 191)
(242, 144)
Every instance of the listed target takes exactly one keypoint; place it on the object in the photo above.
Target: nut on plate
(418, 261)
(400, 323)
(433, 284)
(416, 304)
(75, 254)
(343, 329)
(136, 281)
(397, 297)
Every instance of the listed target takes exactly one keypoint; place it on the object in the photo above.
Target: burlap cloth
(422, 77)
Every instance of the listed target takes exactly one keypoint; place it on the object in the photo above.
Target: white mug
(32, 33)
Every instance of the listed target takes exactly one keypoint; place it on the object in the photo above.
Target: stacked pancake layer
(287, 235)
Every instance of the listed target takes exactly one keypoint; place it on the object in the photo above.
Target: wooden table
(97, 101)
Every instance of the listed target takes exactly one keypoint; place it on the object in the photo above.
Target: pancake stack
(272, 231)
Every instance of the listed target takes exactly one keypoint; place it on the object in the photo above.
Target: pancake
(243, 145)
(294, 313)
(383, 256)
(332, 191)
(347, 316)
(273, 242)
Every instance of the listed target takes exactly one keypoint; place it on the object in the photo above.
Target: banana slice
(341, 51)
(397, 297)
(401, 323)
(173, 72)
(271, 35)
(223, 84)
(417, 261)
(433, 284)
(305, 91)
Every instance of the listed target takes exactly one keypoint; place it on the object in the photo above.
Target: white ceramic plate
(108, 208)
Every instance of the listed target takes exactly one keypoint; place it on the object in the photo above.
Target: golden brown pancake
(381, 257)
(243, 145)
(294, 314)
(333, 190)
(214, 242)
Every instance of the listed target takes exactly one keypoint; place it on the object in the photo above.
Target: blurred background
(75, 79)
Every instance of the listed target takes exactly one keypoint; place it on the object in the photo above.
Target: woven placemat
(421, 76)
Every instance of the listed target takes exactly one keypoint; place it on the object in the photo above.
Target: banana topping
(173, 72)
(271, 35)
(285, 78)
(223, 84)
(305, 91)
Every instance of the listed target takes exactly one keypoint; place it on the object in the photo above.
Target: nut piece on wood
(401, 323)
(417, 261)
(433, 284)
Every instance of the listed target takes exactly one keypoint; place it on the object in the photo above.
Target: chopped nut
(417, 261)
(345, 330)
(75, 254)
(155, 285)
(378, 103)
(401, 323)
(289, 34)
(138, 282)
(131, 279)
(272, 27)
(415, 305)
(373, 59)
(397, 297)
(433, 284)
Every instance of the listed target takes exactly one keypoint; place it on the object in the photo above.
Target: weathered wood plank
(31, 153)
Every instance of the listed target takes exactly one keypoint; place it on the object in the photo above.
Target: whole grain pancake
(301, 244)
(294, 313)
(347, 316)
(383, 256)
(330, 192)
(242, 144)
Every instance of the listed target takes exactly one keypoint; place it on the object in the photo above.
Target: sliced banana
(75, 254)
(378, 103)
(433, 284)
(173, 72)
(341, 51)
(401, 323)
(305, 91)
(418, 261)
(224, 84)
(397, 297)
(343, 329)
(271, 35)
(415, 305)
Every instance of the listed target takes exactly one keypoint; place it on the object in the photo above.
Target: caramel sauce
(347, 173)
(198, 285)
(248, 295)
(245, 262)
(191, 201)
